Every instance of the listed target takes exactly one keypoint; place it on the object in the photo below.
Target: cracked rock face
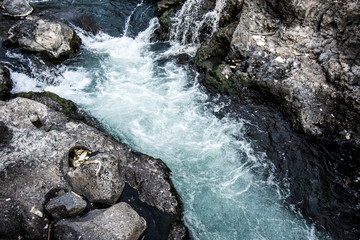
(42, 35)
(17, 8)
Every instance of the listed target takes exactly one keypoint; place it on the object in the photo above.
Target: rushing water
(135, 89)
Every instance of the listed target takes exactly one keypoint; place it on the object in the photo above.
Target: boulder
(53, 38)
(66, 205)
(117, 222)
(38, 160)
(100, 181)
(16, 8)
(5, 83)
(151, 178)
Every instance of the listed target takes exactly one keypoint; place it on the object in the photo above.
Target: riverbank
(60, 177)
(288, 62)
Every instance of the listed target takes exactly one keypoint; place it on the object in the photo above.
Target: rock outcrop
(302, 55)
(53, 38)
(302, 58)
(37, 164)
(17, 8)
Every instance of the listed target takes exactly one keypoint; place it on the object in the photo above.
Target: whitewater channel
(143, 98)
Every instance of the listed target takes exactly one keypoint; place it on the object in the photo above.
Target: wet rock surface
(301, 55)
(178, 232)
(35, 152)
(117, 222)
(290, 69)
(16, 8)
(54, 38)
(5, 83)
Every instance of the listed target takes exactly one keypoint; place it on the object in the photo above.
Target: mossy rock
(166, 18)
(222, 79)
(55, 102)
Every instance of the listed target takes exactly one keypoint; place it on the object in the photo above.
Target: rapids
(143, 98)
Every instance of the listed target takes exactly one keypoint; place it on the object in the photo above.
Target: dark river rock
(290, 69)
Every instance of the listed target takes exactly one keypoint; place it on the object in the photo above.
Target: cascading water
(142, 97)
(190, 22)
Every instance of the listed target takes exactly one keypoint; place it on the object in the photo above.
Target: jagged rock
(36, 148)
(5, 83)
(16, 8)
(117, 222)
(66, 205)
(35, 34)
(302, 56)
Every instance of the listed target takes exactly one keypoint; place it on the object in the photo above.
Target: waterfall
(193, 25)
(127, 23)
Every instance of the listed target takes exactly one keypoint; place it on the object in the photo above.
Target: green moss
(224, 83)
(66, 106)
(167, 17)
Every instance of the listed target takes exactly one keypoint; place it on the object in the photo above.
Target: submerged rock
(16, 8)
(117, 222)
(51, 37)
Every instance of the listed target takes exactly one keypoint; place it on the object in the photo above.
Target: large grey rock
(36, 145)
(302, 54)
(17, 8)
(66, 205)
(98, 183)
(5, 83)
(117, 222)
(35, 34)
(151, 178)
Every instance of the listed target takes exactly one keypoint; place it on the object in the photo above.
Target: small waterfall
(192, 26)
(127, 23)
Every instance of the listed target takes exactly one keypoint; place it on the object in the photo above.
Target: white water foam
(159, 110)
(189, 23)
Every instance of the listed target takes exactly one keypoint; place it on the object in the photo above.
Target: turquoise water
(135, 89)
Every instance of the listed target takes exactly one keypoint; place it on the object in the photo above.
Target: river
(142, 97)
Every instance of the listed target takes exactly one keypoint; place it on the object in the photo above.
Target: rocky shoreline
(296, 62)
(61, 177)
